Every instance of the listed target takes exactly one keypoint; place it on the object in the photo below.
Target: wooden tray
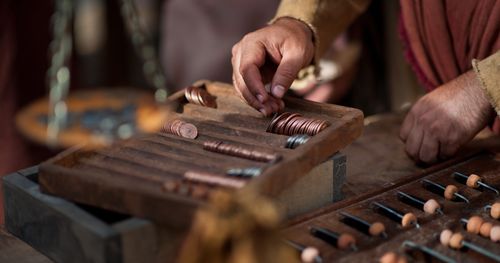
(370, 249)
(128, 176)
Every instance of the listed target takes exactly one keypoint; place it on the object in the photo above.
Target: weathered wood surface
(128, 177)
(15, 250)
(486, 165)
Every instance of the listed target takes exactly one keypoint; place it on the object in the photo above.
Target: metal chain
(60, 50)
(151, 65)
(58, 74)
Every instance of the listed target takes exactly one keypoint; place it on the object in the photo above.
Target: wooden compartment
(128, 176)
(371, 248)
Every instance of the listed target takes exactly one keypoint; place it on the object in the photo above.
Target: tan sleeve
(326, 18)
(488, 73)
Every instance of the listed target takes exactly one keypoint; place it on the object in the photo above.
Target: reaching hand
(274, 54)
(445, 119)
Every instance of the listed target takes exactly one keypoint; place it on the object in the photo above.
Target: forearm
(326, 18)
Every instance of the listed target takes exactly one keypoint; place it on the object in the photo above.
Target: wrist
(295, 24)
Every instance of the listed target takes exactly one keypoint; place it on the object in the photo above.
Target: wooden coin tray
(128, 176)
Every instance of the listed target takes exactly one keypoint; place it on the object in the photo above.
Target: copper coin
(207, 99)
(188, 130)
(284, 127)
(187, 93)
(272, 125)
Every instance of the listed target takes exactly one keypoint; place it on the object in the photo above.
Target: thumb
(287, 71)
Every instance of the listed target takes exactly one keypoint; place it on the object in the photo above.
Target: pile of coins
(200, 96)
(239, 151)
(295, 141)
(180, 128)
(288, 123)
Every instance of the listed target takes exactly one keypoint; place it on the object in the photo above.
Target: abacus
(451, 215)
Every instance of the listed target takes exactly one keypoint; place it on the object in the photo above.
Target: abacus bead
(376, 229)
(309, 254)
(485, 229)
(495, 210)
(445, 237)
(449, 192)
(472, 181)
(495, 234)
(389, 257)
(408, 219)
(474, 224)
(431, 206)
(346, 241)
(456, 241)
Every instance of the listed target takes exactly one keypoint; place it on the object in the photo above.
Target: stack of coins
(288, 123)
(200, 96)
(180, 128)
(239, 151)
(213, 179)
(295, 141)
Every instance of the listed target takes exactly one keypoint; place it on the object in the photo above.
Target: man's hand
(275, 55)
(445, 119)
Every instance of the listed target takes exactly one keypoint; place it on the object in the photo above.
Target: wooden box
(129, 176)
(70, 232)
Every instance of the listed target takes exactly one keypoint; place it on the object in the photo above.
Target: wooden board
(486, 164)
(128, 177)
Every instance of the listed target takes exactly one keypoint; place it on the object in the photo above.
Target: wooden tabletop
(376, 159)
(14, 250)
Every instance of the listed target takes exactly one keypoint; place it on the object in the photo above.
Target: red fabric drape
(443, 36)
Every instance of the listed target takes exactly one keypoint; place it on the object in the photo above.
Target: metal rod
(440, 189)
(462, 178)
(398, 216)
(411, 200)
(481, 250)
(364, 226)
(428, 251)
(333, 238)
(307, 254)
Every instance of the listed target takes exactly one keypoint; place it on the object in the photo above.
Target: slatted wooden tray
(370, 249)
(127, 177)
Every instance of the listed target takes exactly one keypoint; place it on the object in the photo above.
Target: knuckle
(235, 49)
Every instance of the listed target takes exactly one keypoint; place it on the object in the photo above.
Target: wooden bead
(495, 210)
(456, 241)
(445, 237)
(376, 229)
(495, 234)
(346, 241)
(449, 192)
(474, 224)
(309, 254)
(408, 219)
(472, 181)
(389, 257)
(431, 206)
(485, 229)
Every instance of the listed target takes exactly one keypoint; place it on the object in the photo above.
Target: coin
(187, 130)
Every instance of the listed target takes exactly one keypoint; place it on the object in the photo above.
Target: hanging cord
(151, 65)
(236, 227)
(58, 73)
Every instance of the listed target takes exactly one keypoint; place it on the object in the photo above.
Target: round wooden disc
(140, 104)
